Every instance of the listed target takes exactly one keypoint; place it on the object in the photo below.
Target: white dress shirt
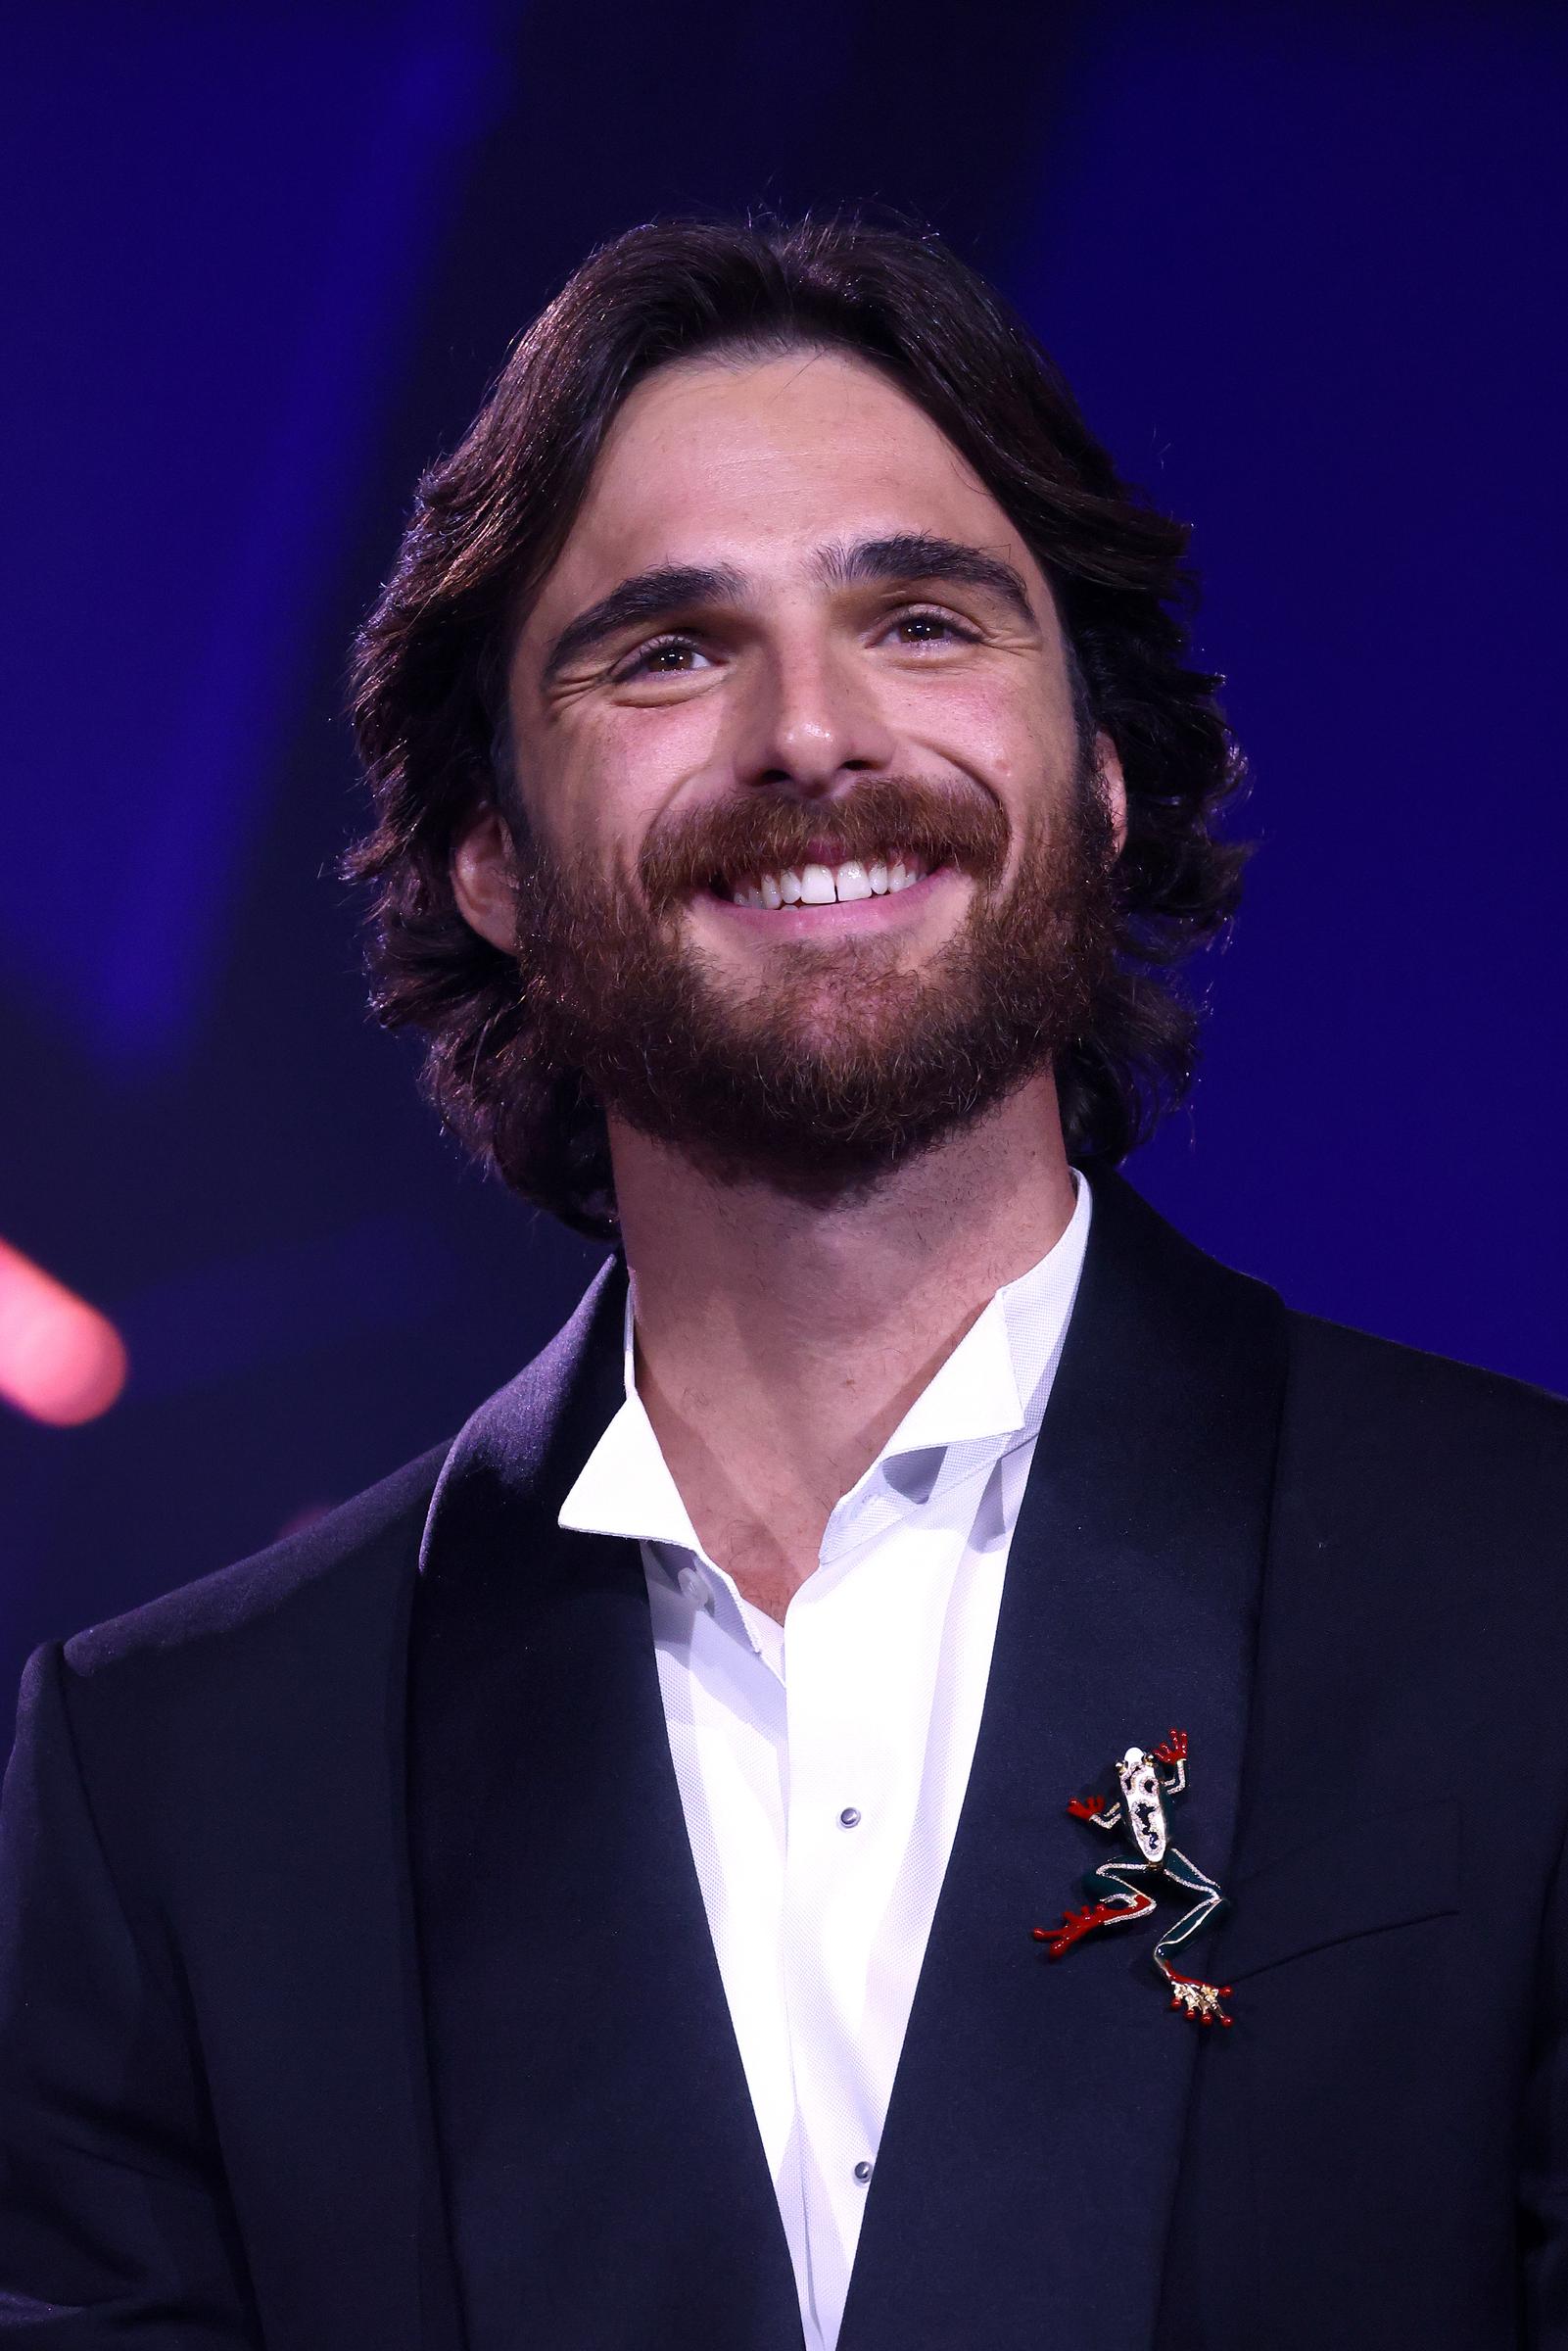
(822, 1763)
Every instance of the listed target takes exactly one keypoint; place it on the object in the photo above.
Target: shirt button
(863, 2173)
(695, 1588)
(849, 1817)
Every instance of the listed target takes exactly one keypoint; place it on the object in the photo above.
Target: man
(617, 1884)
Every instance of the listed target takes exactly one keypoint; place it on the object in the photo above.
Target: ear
(484, 880)
(1112, 787)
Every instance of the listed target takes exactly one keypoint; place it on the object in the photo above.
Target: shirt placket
(844, 1834)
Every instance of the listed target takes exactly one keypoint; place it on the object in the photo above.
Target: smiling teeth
(828, 885)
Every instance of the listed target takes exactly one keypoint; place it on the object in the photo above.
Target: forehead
(761, 462)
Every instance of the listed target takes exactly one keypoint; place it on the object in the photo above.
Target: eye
(670, 656)
(928, 624)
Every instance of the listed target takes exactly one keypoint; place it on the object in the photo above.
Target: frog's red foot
(1075, 1924)
(1201, 2001)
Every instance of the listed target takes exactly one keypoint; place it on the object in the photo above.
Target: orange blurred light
(60, 1361)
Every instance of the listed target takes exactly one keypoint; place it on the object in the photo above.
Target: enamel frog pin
(1120, 1889)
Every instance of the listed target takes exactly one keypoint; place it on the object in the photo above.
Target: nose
(809, 723)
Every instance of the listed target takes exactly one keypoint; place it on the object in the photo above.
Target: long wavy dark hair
(489, 520)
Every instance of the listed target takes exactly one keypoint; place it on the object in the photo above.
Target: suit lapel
(1023, 2187)
(604, 2175)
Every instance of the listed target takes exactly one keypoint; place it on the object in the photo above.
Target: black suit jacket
(355, 1988)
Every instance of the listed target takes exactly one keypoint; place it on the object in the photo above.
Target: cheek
(1005, 733)
(619, 769)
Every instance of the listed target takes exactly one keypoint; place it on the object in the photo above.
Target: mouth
(815, 884)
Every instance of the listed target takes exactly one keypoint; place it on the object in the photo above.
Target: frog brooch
(1126, 1888)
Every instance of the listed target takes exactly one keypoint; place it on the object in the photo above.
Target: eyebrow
(646, 597)
(911, 555)
(904, 558)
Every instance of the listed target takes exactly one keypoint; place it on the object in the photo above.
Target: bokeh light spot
(60, 1361)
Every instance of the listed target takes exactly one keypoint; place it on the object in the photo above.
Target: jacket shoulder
(1355, 1365)
(329, 1566)
(1443, 1442)
(278, 1638)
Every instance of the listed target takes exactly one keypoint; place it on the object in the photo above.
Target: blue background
(1303, 266)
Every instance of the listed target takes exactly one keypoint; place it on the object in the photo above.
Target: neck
(779, 1345)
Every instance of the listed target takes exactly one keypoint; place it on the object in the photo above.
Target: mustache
(700, 848)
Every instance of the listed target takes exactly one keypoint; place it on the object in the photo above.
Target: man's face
(807, 815)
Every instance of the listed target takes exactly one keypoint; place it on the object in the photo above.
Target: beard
(837, 1063)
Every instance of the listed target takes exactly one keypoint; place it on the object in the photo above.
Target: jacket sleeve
(114, 2219)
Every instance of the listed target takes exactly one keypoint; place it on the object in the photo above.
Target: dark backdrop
(1303, 266)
